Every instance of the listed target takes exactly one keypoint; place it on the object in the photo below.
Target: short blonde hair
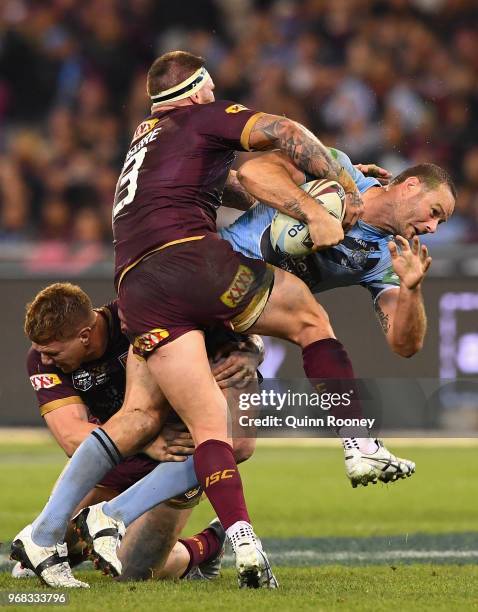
(57, 313)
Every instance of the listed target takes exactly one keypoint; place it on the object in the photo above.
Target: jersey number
(130, 176)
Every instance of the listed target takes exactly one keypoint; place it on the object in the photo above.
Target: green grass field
(412, 545)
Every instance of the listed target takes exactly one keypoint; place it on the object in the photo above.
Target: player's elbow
(408, 349)
(69, 445)
(246, 173)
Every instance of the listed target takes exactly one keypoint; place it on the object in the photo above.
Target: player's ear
(84, 335)
(412, 183)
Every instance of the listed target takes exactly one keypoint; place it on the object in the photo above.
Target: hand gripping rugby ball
(292, 236)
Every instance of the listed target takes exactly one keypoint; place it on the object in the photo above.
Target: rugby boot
(102, 536)
(49, 563)
(364, 468)
(22, 572)
(253, 568)
(208, 570)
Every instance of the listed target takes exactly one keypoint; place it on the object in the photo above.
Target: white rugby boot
(102, 536)
(20, 572)
(362, 468)
(49, 563)
(253, 568)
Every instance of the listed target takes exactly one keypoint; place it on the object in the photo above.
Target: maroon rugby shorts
(129, 471)
(191, 285)
(132, 469)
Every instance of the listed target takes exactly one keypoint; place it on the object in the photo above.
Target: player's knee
(243, 449)
(312, 324)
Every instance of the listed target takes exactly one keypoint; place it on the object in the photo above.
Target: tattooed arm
(401, 311)
(401, 315)
(273, 179)
(235, 195)
(307, 152)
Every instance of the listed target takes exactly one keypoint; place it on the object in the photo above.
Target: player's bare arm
(273, 179)
(307, 153)
(235, 195)
(401, 311)
(69, 426)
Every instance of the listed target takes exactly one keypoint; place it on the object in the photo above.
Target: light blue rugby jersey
(361, 258)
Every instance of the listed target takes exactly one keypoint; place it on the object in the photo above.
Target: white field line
(311, 557)
(369, 557)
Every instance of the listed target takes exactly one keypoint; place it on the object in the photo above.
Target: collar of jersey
(374, 229)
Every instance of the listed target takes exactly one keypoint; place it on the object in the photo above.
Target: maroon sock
(201, 547)
(328, 365)
(219, 477)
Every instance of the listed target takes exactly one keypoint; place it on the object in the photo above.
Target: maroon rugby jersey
(174, 175)
(99, 384)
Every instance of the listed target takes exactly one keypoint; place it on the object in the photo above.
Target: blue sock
(165, 481)
(94, 458)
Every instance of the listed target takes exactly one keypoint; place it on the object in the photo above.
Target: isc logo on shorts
(149, 341)
(44, 381)
(239, 287)
(236, 108)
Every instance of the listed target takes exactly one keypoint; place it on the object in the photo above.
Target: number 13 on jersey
(128, 181)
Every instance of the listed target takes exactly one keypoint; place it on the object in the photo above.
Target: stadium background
(392, 81)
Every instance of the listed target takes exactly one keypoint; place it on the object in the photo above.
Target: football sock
(240, 530)
(201, 547)
(165, 481)
(94, 458)
(328, 360)
(219, 477)
(364, 445)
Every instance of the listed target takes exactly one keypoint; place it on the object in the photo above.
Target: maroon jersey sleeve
(53, 388)
(226, 123)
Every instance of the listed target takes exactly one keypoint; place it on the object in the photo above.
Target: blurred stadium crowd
(391, 81)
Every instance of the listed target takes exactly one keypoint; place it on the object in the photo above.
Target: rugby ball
(291, 236)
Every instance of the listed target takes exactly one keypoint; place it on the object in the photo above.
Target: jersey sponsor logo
(239, 287)
(150, 137)
(149, 341)
(144, 128)
(45, 381)
(82, 380)
(236, 108)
